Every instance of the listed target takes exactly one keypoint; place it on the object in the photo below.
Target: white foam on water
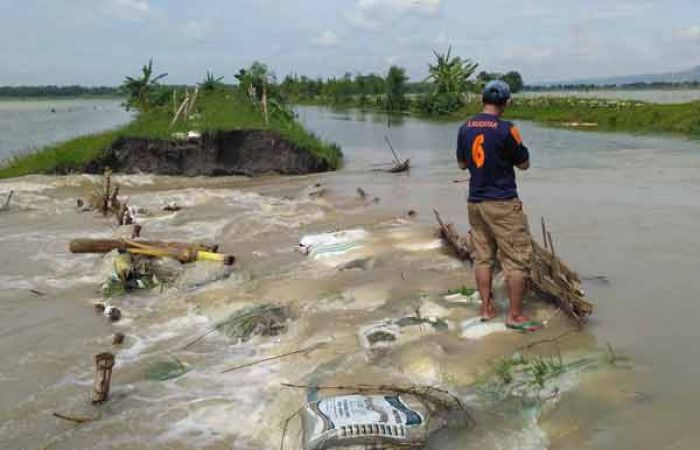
(144, 339)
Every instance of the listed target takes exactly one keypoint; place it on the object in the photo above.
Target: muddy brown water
(621, 207)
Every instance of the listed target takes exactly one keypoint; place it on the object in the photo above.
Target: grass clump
(262, 320)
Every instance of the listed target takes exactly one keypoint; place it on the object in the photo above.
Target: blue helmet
(496, 92)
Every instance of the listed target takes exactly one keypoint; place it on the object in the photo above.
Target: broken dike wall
(235, 152)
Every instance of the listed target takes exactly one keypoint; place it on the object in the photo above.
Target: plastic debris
(380, 336)
(362, 420)
(474, 328)
(328, 244)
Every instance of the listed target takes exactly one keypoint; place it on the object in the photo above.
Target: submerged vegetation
(213, 107)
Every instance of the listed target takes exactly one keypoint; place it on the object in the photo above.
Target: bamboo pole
(104, 362)
(264, 104)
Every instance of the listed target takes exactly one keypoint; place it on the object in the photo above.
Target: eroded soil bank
(236, 152)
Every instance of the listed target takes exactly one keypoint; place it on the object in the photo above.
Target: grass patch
(603, 115)
(218, 111)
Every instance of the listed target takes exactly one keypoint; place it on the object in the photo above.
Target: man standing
(490, 148)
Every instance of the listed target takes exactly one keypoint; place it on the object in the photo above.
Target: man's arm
(519, 154)
(461, 155)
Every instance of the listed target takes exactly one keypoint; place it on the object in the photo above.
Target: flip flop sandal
(526, 327)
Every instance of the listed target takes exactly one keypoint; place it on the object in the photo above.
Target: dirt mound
(236, 152)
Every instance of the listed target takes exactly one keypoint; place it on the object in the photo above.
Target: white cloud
(691, 33)
(130, 9)
(326, 39)
(372, 14)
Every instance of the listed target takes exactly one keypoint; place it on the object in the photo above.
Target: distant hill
(685, 76)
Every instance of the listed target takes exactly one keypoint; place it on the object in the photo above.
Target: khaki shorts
(499, 231)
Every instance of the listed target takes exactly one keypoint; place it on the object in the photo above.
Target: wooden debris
(172, 207)
(136, 232)
(399, 166)
(306, 351)
(460, 245)
(6, 205)
(118, 339)
(182, 251)
(552, 280)
(104, 362)
(76, 419)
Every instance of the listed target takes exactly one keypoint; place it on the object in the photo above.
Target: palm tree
(140, 90)
(211, 83)
(450, 75)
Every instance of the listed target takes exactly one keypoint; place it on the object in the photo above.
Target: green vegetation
(144, 92)
(211, 83)
(449, 86)
(396, 90)
(462, 290)
(450, 80)
(58, 91)
(514, 79)
(219, 109)
(602, 115)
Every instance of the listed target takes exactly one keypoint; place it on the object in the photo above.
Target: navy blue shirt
(491, 147)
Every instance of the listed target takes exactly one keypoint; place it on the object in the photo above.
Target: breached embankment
(235, 152)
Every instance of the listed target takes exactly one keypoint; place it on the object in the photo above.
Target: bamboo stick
(104, 362)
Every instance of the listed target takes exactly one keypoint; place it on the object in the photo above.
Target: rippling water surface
(620, 207)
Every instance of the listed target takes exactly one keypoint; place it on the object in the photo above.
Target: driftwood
(76, 419)
(182, 251)
(401, 167)
(552, 280)
(6, 205)
(460, 245)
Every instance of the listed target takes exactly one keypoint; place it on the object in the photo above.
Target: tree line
(593, 87)
(58, 91)
(452, 81)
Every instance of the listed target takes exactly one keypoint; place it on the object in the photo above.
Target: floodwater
(32, 124)
(645, 95)
(620, 207)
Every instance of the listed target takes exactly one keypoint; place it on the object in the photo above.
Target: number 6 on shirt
(478, 154)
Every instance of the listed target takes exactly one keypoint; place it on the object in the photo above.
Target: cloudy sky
(99, 41)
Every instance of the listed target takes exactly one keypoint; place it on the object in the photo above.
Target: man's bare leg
(483, 283)
(517, 288)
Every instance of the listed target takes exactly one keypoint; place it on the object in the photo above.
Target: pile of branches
(552, 280)
(105, 199)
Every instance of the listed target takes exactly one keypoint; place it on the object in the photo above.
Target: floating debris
(258, 320)
(6, 206)
(172, 207)
(118, 339)
(552, 280)
(377, 417)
